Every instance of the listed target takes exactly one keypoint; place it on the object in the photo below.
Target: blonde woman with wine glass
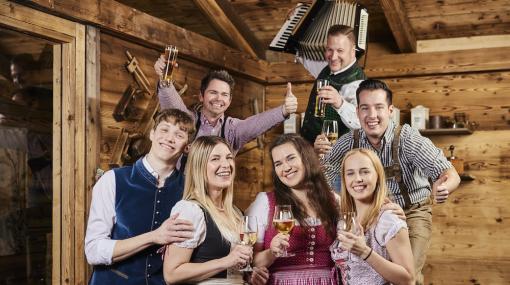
(304, 212)
(207, 202)
(379, 250)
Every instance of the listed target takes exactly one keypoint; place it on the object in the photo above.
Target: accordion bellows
(306, 31)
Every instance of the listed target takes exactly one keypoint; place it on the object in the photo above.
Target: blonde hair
(381, 190)
(195, 187)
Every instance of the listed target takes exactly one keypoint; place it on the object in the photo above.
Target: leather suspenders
(394, 170)
(199, 122)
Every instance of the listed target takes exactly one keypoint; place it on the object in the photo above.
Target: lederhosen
(199, 123)
(394, 170)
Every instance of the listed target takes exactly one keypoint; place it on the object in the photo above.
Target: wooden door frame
(75, 131)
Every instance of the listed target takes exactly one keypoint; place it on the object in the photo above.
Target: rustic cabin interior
(78, 94)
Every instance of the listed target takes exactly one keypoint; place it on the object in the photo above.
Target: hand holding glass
(320, 106)
(346, 223)
(170, 60)
(283, 221)
(330, 130)
(248, 235)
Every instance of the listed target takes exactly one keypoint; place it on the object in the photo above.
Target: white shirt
(192, 212)
(98, 243)
(347, 110)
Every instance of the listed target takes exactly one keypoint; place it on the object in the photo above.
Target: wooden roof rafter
(154, 33)
(231, 28)
(400, 26)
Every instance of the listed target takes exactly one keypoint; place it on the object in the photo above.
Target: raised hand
(160, 64)
(290, 105)
(331, 96)
(173, 230)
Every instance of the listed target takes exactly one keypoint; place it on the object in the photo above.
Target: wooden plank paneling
(409, 64)
(80, 158)
(445, 19)
(147, 30)
(482, 96)
(93, 120)
(68, 152)
(57, 167)
(476, 42)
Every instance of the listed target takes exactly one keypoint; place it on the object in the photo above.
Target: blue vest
(140, 207)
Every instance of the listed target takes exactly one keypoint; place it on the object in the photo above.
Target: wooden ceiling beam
(230, 27)
(152, 32)
(400, 26)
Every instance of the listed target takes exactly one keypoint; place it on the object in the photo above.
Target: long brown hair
(319, 194)
(347, 201)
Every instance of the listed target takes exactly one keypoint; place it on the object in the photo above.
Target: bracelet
(368, 254)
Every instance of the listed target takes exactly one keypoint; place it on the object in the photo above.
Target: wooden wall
(470, 235)
(469, 243)
(115, 79)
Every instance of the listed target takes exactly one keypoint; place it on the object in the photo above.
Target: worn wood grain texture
(155, 33)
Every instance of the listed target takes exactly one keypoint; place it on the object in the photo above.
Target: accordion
(305, 32)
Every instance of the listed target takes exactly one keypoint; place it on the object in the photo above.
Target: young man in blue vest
(129, 215)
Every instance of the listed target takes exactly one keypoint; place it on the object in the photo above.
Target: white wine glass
(283, 221)
(346, 223)
(248, 236)
(330, 130)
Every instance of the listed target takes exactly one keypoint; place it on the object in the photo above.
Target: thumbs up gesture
(439, 189)
(291, 103)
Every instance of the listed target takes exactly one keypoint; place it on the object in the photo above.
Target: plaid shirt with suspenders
(394, 170)
(199, 123)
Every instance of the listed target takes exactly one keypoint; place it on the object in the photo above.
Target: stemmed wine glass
(283, 221)
(347, 223)
(248, 236)
(330, 130)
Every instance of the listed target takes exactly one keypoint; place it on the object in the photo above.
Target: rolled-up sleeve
(192, 212)
(98, 243)
(347, 111)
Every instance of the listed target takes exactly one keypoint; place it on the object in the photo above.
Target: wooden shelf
(466, 177)
(449, 131)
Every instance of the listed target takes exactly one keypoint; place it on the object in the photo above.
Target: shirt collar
(204, 120)
(388, 134)
(151, 170)
(344, 69)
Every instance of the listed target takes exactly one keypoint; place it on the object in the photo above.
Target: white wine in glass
(320, 106)
(248, 236)
(283, 221)
(347, 223)
(330, 130)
